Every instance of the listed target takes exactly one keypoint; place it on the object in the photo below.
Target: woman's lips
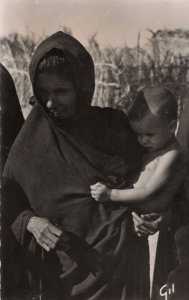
(54, 113)
(58, 114)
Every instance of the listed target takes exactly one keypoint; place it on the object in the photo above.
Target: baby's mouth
(148, 147)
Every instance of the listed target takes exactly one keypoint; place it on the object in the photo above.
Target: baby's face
(152, 133)
(57, 94)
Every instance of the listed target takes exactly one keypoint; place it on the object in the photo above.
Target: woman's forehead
(51, 79)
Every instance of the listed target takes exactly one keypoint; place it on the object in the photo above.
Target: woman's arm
(18, 216)
(16, 210)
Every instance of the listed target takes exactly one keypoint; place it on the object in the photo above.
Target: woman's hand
(46, 234)
(147, 224)
(100, 192)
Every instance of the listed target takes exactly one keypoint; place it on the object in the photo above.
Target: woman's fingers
(46, 234)
(143, 227)
(55, 230)
(140, 232)
(43, 245)
(140, 229)
(44, 240)
(150, 217)
(137, 220)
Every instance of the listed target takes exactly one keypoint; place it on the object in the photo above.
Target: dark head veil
(79, 59)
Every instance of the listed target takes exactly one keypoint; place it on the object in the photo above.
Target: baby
(153, 117)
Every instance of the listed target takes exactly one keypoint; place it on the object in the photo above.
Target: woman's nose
(49, 103)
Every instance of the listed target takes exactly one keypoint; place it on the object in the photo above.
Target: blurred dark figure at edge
(179, 277)
(11, 123)
(11, 114)
(167, 256)
(178, 280)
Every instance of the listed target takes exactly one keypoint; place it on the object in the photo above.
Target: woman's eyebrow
(61, 89)
(40, 88)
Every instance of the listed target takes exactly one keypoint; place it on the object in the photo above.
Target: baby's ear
(173, 126)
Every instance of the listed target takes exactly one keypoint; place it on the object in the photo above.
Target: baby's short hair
(158, 100)
(56, 61)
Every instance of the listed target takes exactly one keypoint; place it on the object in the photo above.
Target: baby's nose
(144, 139)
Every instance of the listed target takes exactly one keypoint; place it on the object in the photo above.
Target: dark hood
(78, 57)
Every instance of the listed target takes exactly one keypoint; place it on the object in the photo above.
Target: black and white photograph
(94, 149)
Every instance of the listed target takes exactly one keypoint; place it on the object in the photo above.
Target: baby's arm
(162, 177)
(165, 171)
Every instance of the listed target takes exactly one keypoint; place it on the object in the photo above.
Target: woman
(77, 249)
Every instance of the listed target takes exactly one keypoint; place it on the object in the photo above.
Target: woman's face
(56, 93)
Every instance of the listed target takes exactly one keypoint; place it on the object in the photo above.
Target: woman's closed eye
(42, 96)
(61, 92)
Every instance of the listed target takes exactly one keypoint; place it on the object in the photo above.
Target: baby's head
(182, 245)
(153, 116)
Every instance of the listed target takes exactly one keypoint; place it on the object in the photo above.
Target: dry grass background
(119, 71)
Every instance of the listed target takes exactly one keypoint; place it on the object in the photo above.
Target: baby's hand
(100, 192)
